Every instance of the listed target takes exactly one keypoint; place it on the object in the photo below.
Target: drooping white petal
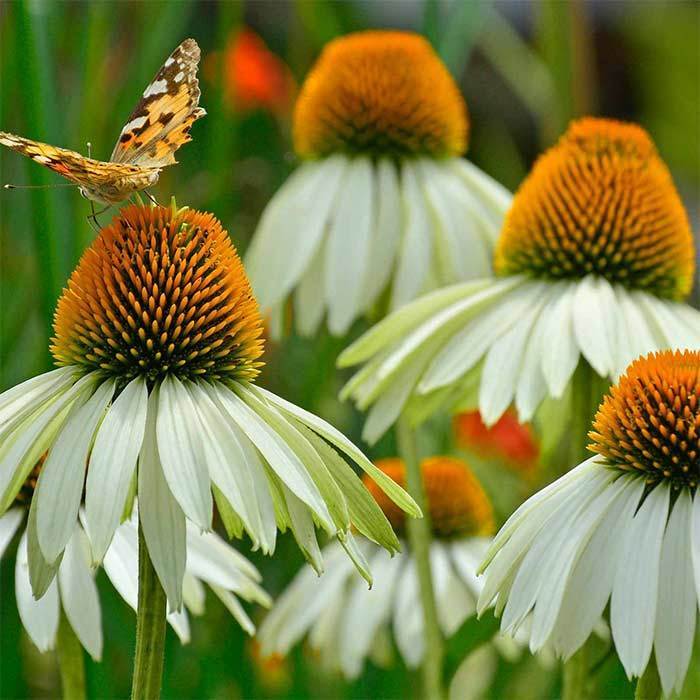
(502, 367)
(112, 464)
(161, 517)
(532, 386)
(181, 451)
(235, 608)
(292, 228)
(302, 526)
(279, 455)
(695, 543)
(121, 562)
(79, 595)
(39, 617)
(592, 578)
(676, 611)
(309, 299)
(193, 594)
(348, 245)
(395, 326)
(335, 437)
(21, 449)
(560, 352)
(60, 486)
(366, 610)
(466, 556)
(596, 320)
(415, 248)
(453, 600)
(408, 616)
(468, 345)
(9, 523)
(635, 336)
(386, 231)
(635, 590)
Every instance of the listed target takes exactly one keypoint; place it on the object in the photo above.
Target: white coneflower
(383, 200)
(158, 338)
(594, 259)
(42, 593)
(345, 621)
(623, 527)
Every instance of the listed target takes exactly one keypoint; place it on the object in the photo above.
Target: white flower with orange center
(346, 622)
(158, 342)
(41, 598)
(383, 207)
(623, 527)
(594, 260)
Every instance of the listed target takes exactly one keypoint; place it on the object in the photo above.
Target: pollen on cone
(457, 502)
(650, 421)
(380, 92)
(160, 291)
(601, 201)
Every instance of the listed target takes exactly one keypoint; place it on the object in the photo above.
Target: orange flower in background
(507, 439)
(272, 671)
(253, 77)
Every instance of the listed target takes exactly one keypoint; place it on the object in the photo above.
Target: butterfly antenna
(89, 149)
(38, 187)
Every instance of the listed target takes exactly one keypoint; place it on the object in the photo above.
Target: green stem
(419, 535)
(649, 685)
(577, 672)
(70, 661)
(150, 629)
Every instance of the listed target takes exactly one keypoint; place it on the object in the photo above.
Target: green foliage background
(70, 72)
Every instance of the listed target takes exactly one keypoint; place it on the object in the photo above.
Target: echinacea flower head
(594, 260)
(623, 527)
(158, 338)
(43, 591)
(383, 207)
(346, 622)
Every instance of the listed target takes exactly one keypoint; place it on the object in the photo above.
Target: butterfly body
(157, 127)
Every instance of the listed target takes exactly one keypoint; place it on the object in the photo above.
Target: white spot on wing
(41, 159)
(135, 124)
(156, 87)
(170, 61)
(179, 77)
(9, 142)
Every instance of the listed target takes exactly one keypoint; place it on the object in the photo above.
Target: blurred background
(71, 72)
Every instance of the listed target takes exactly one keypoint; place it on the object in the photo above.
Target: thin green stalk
(419, 536)
(649, 685)
(70, 662)
(577, 675)
(150, 629)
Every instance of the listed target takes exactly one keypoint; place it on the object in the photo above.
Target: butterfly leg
(93, 217)
(154, 201)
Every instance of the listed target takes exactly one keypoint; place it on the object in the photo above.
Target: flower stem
(70, 661)
(649, 684)
(150, 629)
(577, 674)
(419, 537)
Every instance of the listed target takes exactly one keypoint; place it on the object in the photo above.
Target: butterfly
(157, 127)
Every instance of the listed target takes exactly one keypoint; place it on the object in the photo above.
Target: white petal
(502, 367)
(595, 319)
(408, 616)
(635, 591)
(181, 450)
(386, 232)
(695, 543)
(193, 594)
(20, 450)
(415, 248)
(280, 456)
(79, 594)
(467, 346)
(348, 245)
(495, 197)
(39, 617)
(180, 624)
(453, 600)
(592, 578)
(309, 300)
(112, 464)
(366, 610)
(635, 337)
(532, 387)
(335, 437)
(676, 611)
(9, 522)
(235, 608)
(560, 352)
(302, 526)
(121, 562)
(60, 486)
(161, 517)
(292, 228)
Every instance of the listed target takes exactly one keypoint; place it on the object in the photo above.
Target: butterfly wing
(161, 122)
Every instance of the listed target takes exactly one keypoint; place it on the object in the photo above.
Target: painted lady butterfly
(158, 126)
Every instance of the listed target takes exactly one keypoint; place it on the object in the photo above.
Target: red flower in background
(508, 440)
(253, 77)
